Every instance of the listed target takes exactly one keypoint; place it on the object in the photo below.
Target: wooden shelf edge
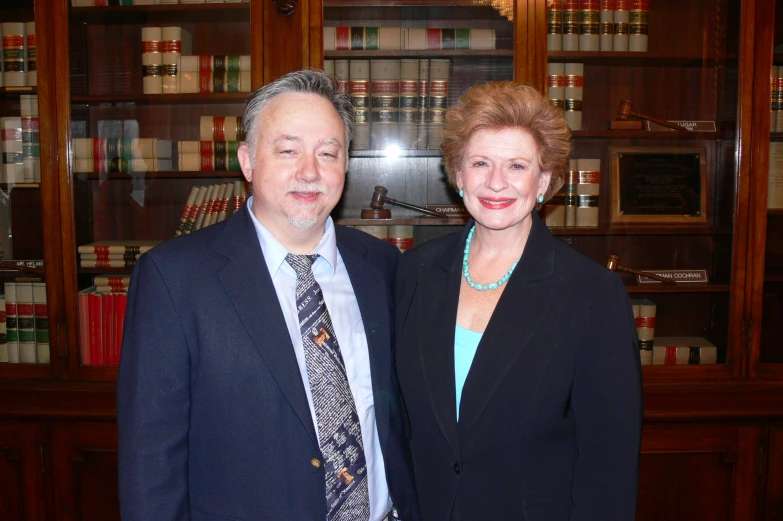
(641, 230)
(402, 53)
(174, 174)
(163, 99)
(618, 58)
(18, 91)
(421, 221)
(680, 288)
(160, 13)
(383, 154)
(648, 134)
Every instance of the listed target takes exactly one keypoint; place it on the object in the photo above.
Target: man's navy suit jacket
(213, 417)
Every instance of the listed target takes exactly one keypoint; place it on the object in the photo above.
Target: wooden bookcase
(707, 60)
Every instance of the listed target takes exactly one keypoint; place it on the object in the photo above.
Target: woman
(516, 355)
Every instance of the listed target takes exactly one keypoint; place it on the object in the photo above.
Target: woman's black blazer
(551, 412)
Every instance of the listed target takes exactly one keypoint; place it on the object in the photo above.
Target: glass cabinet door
(25, 347)
(650, 91)
(403, 67)
(156, 95)
(766, 251)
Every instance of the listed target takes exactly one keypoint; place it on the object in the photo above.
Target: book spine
(424, 94)
(25, 322)
(151, 60)
(645, 323)
(14, 65)
(773, 91)
(11, 317)
(588, 25)
(606, 25)
(28, 152)
(572, 179)
(183, 219)
(330, 36)
(640, 14)
(646, 352)
(381, 232)
(94, 325)
(31, 52)
(214, 205)
(189, 227)
(106, 330)
(587, 192)
(342, 75)
(437, 102)
(342, 38)
(237, 195)
(556, 84)
(401, 236)
(574, 87)
(111, 289)
(171, 51)
(359, 93)
(222, 128)
(554, 25)
(41, 313)
(109, 280)
(227, 198)
(570, 25)
(554, 210)
(391, 38)
(779, 117)
(775, 176)
(12, 145)
(84, 330)
(409, 103)
(622, 17)
(202, 211)
(385, 96)
(3, 332)
(122, 306)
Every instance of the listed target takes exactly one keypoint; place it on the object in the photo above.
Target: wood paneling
(84, 470)
(21, 473)
(773, 502)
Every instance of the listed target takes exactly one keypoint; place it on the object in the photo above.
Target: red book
(106, 336)
(120, 305)
(84, 330)
(433, 39)
(94, 326)
(342, 38)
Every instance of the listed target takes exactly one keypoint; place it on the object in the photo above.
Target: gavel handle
(646, 274)
(659, 121)
(413, 207)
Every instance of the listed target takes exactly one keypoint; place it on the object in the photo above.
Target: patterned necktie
(339, 432)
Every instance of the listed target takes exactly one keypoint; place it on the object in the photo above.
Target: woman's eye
(479, 164)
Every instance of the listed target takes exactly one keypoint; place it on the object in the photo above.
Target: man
(256, 379)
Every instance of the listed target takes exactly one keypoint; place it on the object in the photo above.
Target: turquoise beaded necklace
(466, 273)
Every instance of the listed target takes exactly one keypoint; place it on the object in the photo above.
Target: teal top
(465, 344)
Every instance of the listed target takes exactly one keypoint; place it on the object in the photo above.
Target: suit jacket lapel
(249, 285)
(373, 300)
(522, 309)
(438, 299)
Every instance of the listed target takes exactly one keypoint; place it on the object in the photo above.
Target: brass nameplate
(692, 126)
(449, 210)
(678, 276)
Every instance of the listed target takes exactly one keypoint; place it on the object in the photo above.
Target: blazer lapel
(373, 300)
(249, 285)
(520, 313)
(438, 299)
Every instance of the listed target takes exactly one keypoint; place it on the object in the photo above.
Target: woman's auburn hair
(500, 105)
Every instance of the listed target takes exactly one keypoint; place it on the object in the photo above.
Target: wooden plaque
(661, 185)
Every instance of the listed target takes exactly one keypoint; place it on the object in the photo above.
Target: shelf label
(679, 276)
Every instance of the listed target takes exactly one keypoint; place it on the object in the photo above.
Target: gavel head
(612, 261)
(378, 197)
(624, 110)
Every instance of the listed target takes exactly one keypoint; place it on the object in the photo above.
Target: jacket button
(315, 462)
(456, 468)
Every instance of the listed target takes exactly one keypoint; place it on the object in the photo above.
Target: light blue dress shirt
(331, 274)
(465, 345)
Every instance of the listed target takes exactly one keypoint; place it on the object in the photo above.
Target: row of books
(207, 205)
(776, 99)
(399, 103)
(169, 68)
(396, 234)
(24, 323)
(108, 3)
(669, 350)
(94, 155)
(597, 25)
(20, 55)
(576, 204)
(565, 88)
(344, 38)
(101, 322)
(113, 254)
(21, 144)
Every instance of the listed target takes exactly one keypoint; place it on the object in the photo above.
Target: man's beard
(293, 218)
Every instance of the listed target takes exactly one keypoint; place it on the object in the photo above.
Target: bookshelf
(707, 60)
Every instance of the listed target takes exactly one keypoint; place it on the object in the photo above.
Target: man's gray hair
(311, 81)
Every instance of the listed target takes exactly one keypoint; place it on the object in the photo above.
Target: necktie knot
(302, 264)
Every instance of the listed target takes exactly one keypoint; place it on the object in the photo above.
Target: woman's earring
(540, 198)
(461, 193)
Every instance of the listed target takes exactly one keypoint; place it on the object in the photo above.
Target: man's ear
(243, 154)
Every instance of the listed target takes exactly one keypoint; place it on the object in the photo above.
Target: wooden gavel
(379, 197)
(625, 111)
(613, 264)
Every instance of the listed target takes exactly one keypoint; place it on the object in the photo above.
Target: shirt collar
(275, 252)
